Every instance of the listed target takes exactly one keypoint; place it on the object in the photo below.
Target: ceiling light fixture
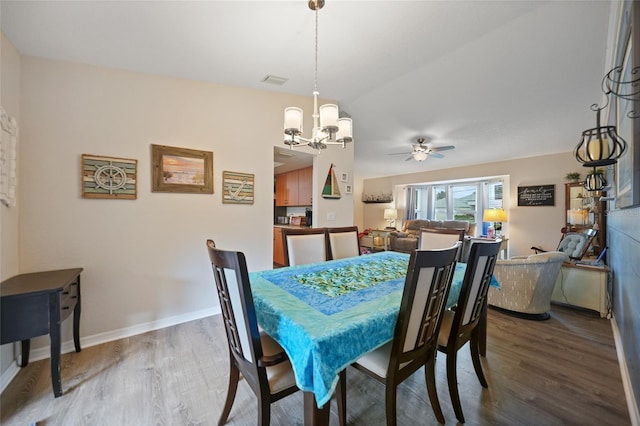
(420, 155)
(328, 129)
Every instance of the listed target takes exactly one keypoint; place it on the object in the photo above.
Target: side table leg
(76, 320)
(26, 346)
(54, 335)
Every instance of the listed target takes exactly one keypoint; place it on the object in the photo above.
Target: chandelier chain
(315, 76)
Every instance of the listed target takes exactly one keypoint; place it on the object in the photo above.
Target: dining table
(327, 315)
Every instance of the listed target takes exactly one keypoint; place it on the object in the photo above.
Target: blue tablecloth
(327, 315)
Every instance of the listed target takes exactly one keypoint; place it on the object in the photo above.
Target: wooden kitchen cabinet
(278, 247)
(294, 188)
(305, 186)
(281, 190)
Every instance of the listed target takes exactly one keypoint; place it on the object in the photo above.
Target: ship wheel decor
(109, 177)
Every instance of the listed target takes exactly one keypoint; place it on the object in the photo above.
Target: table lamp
(493, 216)
(391, 215)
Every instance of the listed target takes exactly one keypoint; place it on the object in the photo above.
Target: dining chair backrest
(236, 302)
(436, 238)
(426, 289)
(343, 242)
(475, 285)
(304, 245)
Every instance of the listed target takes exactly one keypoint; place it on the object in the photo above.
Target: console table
(377, 240)
(35, 304)
(583, 286)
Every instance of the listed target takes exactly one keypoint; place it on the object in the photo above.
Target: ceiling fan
(421, 151)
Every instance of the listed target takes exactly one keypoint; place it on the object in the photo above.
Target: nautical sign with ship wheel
(331, 189)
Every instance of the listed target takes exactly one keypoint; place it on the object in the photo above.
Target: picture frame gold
(237, 188)
(181, 170)
(109, 177)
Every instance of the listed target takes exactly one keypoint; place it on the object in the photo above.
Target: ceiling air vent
(273, 79)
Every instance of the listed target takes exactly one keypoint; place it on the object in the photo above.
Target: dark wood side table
(35, 304)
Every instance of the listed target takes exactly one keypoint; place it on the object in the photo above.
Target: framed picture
(109, 177)
(344, 177)
(8, 158)
(537, 195)
(348, 189)
(237, 188)
(181, 170)
(628, 58)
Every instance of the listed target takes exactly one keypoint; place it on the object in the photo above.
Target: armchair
(574, 244)
(526, 284)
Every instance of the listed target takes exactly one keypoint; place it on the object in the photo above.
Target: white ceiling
(497, 79)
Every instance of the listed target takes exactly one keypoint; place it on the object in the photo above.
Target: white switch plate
(331, 216)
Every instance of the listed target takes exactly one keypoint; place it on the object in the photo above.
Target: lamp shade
(390, 214)
(494, 215)
(420, 156)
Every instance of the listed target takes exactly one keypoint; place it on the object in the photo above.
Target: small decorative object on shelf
(377, 198)
(572, 176)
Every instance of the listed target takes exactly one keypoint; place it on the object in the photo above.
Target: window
(454, 200)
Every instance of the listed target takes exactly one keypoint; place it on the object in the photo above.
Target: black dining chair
(343, 242)
(260, 359)
(304, 245)
(464, 322)
(414, 343)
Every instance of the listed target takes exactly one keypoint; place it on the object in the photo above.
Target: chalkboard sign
(537, 195)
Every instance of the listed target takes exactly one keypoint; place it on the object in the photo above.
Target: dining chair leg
(474, 344)
(341, 397)
(234, 375)
(430, 378)
(390, 403)
(452, 378)
(483, 331)
(264, 412)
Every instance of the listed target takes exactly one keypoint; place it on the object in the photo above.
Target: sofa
(526, 284)
(407, 240)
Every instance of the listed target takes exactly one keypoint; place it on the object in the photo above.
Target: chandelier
(328, 128)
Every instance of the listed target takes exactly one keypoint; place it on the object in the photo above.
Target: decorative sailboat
(331, 189)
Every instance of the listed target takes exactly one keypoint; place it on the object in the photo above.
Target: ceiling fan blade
(409, 158)
(399, 153)
(442, 148)
(436, 155)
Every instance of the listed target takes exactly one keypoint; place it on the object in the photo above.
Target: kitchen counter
(291, 226)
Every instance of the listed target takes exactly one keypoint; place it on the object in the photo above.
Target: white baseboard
(97, 339)
(8, 375)
(632, 402)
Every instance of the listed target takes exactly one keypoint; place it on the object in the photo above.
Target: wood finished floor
(557, 372)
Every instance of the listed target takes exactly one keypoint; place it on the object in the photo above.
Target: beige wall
(145, 263)
(527, 226)
(10, 101)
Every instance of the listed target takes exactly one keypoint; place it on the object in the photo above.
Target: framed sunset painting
(181, 170)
